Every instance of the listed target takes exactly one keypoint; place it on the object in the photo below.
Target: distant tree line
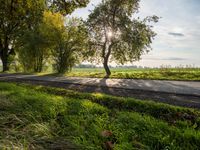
(36, 34)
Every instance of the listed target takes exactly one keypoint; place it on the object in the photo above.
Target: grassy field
(157, 74)
(188, 74)
(37, 117)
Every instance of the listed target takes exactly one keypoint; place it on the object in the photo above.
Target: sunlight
(109, 34)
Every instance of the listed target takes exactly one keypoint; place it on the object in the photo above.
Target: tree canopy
(56, 41)
(16, 16)
(66, 6)
(70, 44)
(116, 35)
(20, 16)
(35, 45)
(42, 30)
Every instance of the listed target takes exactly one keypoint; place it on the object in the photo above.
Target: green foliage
(38, 42)
(169, 113)
(115, 36)
(65, 6)
(60, 40)
(70, 42)
(34, 51)
(15, 18)
(35, 119)
(21, 19)
(188, 74)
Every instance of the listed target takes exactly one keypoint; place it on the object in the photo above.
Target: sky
(178, 31)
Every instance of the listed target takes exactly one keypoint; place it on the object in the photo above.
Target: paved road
(175, 87)
(172, 92)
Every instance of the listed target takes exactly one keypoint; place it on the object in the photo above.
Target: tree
(15, 17)
(34, 52)
(57, 39)
(115, 36)
(38, 42)
(70, 42)
(66, 6)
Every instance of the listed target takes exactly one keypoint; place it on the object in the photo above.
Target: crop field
(125, 73)
(38, 117)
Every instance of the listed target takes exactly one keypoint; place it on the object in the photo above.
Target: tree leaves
(130, 37)
(66, 6)
(70, 45)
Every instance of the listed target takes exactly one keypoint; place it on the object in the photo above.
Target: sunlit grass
(188, 74)
(157, 74)
(37, 117)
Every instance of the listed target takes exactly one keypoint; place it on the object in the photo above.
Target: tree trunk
(5, 63)
(4, 59)
(4, 54)
(106, 59)
(107, 69)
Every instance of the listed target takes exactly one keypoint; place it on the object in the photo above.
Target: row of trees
(56, 41)
(39, 33)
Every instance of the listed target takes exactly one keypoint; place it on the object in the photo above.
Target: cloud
(174, 58)
(176, 34)
(168, 58)
(198, 19)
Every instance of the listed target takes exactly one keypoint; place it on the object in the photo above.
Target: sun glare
(109, 34)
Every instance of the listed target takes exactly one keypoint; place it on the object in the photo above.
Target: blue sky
(178, 31)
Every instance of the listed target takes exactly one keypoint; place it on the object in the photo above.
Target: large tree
(19, 16)
(70, 43)
(35, 45)
(58, 39)
(15, 17)
(115, 35)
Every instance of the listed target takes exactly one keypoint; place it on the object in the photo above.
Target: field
(155, 74)
(37, 117)
(188, 74)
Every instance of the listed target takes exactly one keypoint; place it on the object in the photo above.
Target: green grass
(187, 74)
(156, 74)
(37, 117)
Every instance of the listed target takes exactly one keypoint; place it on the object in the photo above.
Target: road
(180, 93)
(176, 87)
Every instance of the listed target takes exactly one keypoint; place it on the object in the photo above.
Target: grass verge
(37, 117)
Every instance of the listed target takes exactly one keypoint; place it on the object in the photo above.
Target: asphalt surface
(181, 93)
(176, 87)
